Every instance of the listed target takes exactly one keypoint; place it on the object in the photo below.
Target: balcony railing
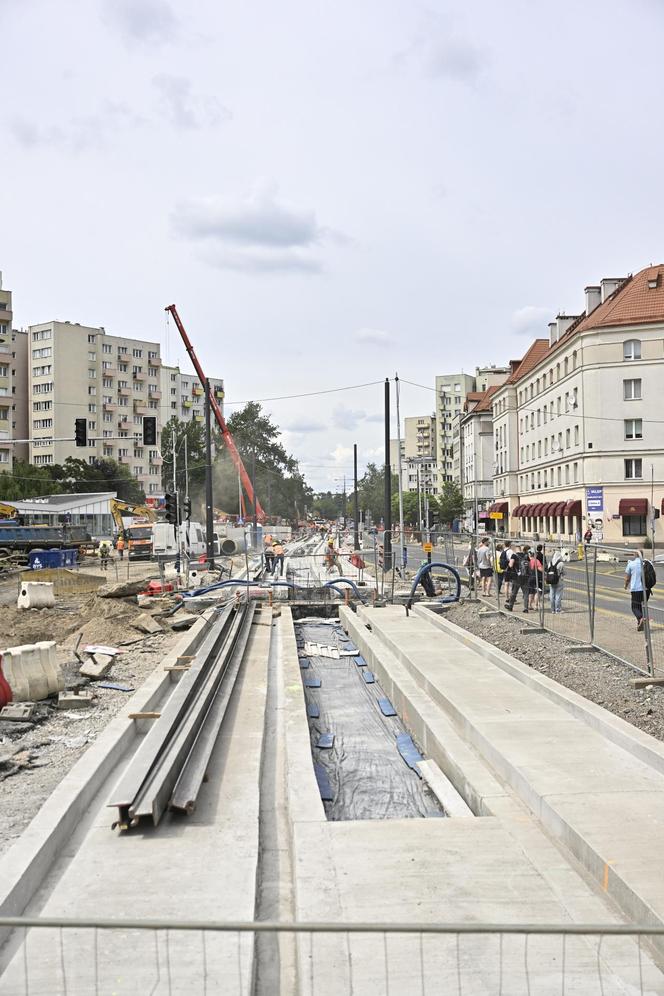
(154, 395)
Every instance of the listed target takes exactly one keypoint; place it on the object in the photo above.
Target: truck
(16, 541)
(138, 535)
(164, 541)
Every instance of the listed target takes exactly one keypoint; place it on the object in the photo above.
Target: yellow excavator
(138, 536)
(7, 511)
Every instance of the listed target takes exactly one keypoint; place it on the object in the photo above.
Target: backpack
(522, 567)
(551, 574)
(504, 560)
(649, 575)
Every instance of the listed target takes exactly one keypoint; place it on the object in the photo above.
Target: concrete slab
(196, 867)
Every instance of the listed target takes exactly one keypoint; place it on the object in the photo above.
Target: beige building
(418, 455)
(76, 371)
(451, 393)
(13, 385)
(576, 430)
(183, 396)
(477, 457)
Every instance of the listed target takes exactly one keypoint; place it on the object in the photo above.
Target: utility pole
(419, 503)
(186, 493)
(345, 499)
(402, 535)
(356, 503)
(652, 507)
(175, 480)
(253, 482)
(209, 509)
(387, 538)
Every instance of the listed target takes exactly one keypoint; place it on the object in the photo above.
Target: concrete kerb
(618, 731)
(432, 729)
(27, 862)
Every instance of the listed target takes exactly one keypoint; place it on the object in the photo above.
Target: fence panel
(615, 625)
(330, 959)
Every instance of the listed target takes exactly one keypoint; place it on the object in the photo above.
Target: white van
(164, 542)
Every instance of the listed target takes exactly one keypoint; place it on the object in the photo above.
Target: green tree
(279, 484)
(75, 476)
(450, 503)
(371, 491)
(194, 434)
(327, 505)
(410, 508)
(27, 481)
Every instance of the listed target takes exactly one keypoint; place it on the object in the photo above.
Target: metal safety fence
(94, 956)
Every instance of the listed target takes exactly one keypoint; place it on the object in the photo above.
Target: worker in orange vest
(120, 546)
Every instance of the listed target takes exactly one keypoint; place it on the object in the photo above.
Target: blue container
(39, 559)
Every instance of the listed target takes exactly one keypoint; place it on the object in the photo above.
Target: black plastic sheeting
(366, 776)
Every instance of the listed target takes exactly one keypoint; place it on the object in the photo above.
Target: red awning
(492, 508)
(517, 510)
(559, 508)
(573, 507)
(502, 506)
(537, 509)
(633, 506)
(527, 510)
(546, 508)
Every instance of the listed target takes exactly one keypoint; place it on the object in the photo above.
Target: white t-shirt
(483, 557)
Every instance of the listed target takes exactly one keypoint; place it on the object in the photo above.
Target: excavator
(221, 422)
(138, 536)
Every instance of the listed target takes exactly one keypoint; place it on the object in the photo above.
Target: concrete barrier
(36, 595)
(32, 671)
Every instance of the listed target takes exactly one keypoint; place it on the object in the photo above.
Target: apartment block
(77, 371)
(183, 396)
(576, 432)
(418, 455)
(13, 385)
(451, 393)
(477, 455)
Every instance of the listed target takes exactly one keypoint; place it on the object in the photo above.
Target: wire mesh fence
(328, 959)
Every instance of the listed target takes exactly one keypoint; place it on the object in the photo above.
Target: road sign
(495, 515)
(594, 500)
(427, 547)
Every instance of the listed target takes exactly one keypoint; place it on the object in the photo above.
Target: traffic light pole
(209, 509)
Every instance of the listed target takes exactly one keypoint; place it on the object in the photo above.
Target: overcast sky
(330, 192)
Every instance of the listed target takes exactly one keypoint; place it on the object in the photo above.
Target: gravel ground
(593, 674)
(35, 757)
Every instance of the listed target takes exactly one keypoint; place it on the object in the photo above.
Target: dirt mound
(97, 620)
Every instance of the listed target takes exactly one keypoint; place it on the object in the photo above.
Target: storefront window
(634, 525)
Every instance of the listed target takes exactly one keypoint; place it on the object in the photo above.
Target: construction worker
(120, 546)
(268, 553)
(104, 554)
(332, 557)
(278, 553)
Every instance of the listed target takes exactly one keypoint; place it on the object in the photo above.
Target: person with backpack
(640, 575)
(536, 565)
(499, 571)
(553, 575)
(519, 569)
(503, 562)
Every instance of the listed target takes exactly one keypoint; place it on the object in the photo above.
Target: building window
(92, 390)
(92, 357)
(633, 428)
(559, 476)
(107, 348)
(632, 349)
(92, 373)
(92, 424)
(634, 525)
(632, 389)
(575, 468)
(137, 353)
(633, 468)
(92, 338)
(568, 438)
(41, 334)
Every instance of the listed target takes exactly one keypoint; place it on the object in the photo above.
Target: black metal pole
(209, 509)
(253, 484)
(356, 503)
(387, 539)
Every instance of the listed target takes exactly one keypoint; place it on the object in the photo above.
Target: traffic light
(187, 508)
(81, 431)
(171, 506)
(150, 430)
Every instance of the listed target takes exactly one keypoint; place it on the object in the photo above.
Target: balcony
(154, 361)
(199, 418)
(139, 376)
(110, 406)
(109, 371)
(124, 392)
(219, 393)
(124, 424)
(197, 391)
(125, 459)
(140, 407)
(154, 395)
(186, 403)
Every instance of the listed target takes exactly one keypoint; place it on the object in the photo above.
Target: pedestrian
(120, 546)
(505, 556)
(278, 552)
(588, 535)
(519, 568)
(104, 554)
(499, 570)
(470, 563)
(331, 558)
(553, 575)
(484, 566)
(639, 575)
(535, 584)
(268, 553)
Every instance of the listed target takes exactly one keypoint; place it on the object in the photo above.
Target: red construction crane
(221, 422)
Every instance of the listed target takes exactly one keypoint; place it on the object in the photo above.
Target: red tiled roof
(536, 352)
(633, 303)
(486, 404)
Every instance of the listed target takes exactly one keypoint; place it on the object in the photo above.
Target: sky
(331, 192)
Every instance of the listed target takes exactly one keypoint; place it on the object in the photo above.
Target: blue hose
(426, 569)
(338, 581)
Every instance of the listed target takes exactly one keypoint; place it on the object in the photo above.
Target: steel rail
(164, 729)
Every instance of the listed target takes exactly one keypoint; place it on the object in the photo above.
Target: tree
(450, 503)
(371, 491)
(277, 479)
(327, 505)
(411, 510)
(26, 481)
(194, 434)
(74, 476)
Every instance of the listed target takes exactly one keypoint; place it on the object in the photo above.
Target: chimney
(563, 322)
(609, 284)
(593, 298)
(553, 333)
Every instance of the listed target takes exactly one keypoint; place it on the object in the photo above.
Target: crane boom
(221, 421)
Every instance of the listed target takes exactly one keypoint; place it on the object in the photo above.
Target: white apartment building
(13, 385)
(577, 435)
(451, 393)
(77, 371)
(477, 457)
(418, 455)
(183, 396)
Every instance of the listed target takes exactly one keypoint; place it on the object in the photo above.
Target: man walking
(519, 572)
(505, 557)
(484, 566)
(636, 568)
(278, 551)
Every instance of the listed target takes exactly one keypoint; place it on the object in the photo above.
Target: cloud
(341, 455)
(150, 22)
(303, 425)
(185, 109)
(346, 418)
(454, 59)
(256, 234)
(376, 417)
(531, 321)
(80, 133)
(374, 337)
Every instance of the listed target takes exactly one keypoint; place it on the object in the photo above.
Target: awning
(633, 506)
(559, 508)
(517, 510)
(502, 506)
(546, 508)
(573, 507)
(527, 510)
(537, 509)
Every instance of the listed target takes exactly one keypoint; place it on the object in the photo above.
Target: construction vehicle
(221, 422)
(17, 541)
(138, 536)
(7, 511)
